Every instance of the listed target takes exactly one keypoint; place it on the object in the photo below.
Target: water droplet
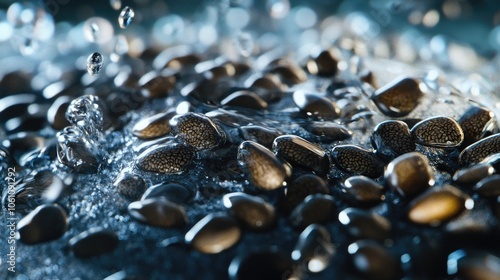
(85, 115)
(115, 4)
(94, 63)
(245, 43)
(126, 17)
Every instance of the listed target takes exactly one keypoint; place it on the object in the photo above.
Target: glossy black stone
(399, 97)
(93, 242)
(391, 139)
(45, 223)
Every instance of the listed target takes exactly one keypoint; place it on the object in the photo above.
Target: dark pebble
(315, 209)
(476, 122)
(324, 64)
(93, 242)
(156, 85)
(489, 186)
(153, 126)
(391, 139)
(173, 192)
(262, 135)
(373, 261)
(314, 249)
(473, 265)
(480, 150)
(398, 98)
(361, 224)
(130, 185)
(45, 223)
(56, 115)
(266, 265)
(473, 174)
(290, 73)
(253, 211)
(330, 130)
(316, 105)
(214, 233)
(245, 99)
(439, 132)
(357, 160)
(300, 188)
(363, 190)
(158, 212)
(197, 130)
(409, 174)
(169, 158)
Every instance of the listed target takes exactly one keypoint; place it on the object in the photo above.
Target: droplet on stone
(266, 264)
(176, 193)
(357, 160)
(315, 209)
(126, 16)
(45, 223)
(93, 242)
(476, 122)
(391, 139)
(74, 151)
(398, 98)
(168, 158)
(440, 132)
(94, 63)
(197, 130)
(480, 150)
(262, 135)
(314, 248)
(301, 152)
(300, 188)
(130, 185)
(315, 105)
(254, 212)
(409, 174)
(473, 265)
(158, 212)
(265, 170)
(489, 186)
(473, 174)
(330, 130)
(363, 190)
(245, 99)
(214, 234)
(361, 224)
(153, 126)
(373, 261)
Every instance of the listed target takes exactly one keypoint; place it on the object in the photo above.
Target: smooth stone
(264, 169)
(253, 211)
(489, 186)
(269, 82)
(324, 64)
(220, 72)
(197, 130)
(45, 223)
(391, 139)
(214, 234)
(130, 185)
(373, 261)
(158, 212)
(473, 265)
(153, 126)
(56, 115)
(439, 132)
(93, 242)
(290, 73)
(476, 122)
(316, 105)
(398, 98)
(480, 150)
(173, 192)
(473, 174)
(168, 158)
(354, 159)
(264, 264)
(15, 105)
(156, 85)
(262, 135)
(315, 209)
(314, 249)
(363, 190)
(409, 174)
(246, 99)
(330, 130)
(301, 152)
(361, 224)
(300, 188)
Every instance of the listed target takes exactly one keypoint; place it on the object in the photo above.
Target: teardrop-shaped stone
(373, 261)
(253, 211)
(173, 192)
(476, 121)
(315, 209)
(93, 242)
(153, 126)
(473, 265)
(330, 130)
(214, 233)
(197, 130)
(440, 132)
(300, 188)
(363, 190)
(262, 135)
(265, 170)
(246, 99)
(168, 158)
(392, 138)
(480, 150)
(399, 97)
(473, 174)
(301, 152)
(361, 224)
(357, 160)
(489, 186)
(158, 212)
(45, 223)
(316, 105)
(409, 174)
(314, 248)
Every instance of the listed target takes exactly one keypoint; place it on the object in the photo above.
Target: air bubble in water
(94, 63)
(85, 115)
(126, 17)
(245, 43)
(115, 4)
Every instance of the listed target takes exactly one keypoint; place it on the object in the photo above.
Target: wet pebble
(265, 170)
(373, 261)
(214, 233)
(158, 212)
(93, 242)
(130, 185)
(197, 130)
(253, 211)
(361, 224)
(316, 105)
(409, 174)
(315, 209)
(323, 64)
(330, 130)
(473, 265)
(473, 174)
(399, 97)
(489, 186)
(15, 105)
(363, 190)
(357, 160)
(314, 249)
(300, 188)
(440, 132)
(245, 99)
(56, 113)
(173, 192)
(391, 139)
(262, 135)
(45, 223)
(289, 73)
(480, 150)
(153, 126)
(476, 122)
(264, 264)
(168, 158)
(301, 152)
(156, 85)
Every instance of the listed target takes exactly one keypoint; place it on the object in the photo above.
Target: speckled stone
(391, 139)
(489, 186)
(254, 212)
(357, 160)
(440, 132)
(373, 261)
(130, 185)
(361, 224)
(316, 105)
(169, 158)
(158, 212)
(262, 135)
(197, 130)
(473, 174)
(301, 152)
(409, 174)
(363, 190)
(245, 99)
(480, 150)
(399, 97)
(473, 265)
(315, 209)
(314, 249)
(476, 122)
(153, 126)
(45, 223)
(330, 130)
(214, 234)
(93, 242)
(173, 192)
(300, 188)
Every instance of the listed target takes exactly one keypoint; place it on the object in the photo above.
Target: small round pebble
(254, 212)
(392, 138)
(214, 233)
(169, 158)
(357, 160)
(473, 174)
(93, 242)
(363, 190)
(45, 223)
(197, 130)
(409, 174)
(315, 209)
(314, 249)
(158, 212)
(399, 97)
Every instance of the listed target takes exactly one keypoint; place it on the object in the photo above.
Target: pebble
(300, 188)
(183, 61)
(476, 122)
(45, 223)
(480, 150)
(254, 212)
(246, 99)
(314, 248)
(301, 152)
(268, 82)
(262, 135)
(56, 113)
(363, 190)
(489, 186)
(362, 224)
(197, 130)
(315, 209)
(409, 174)
(263, 264)
(437, 206)
(15, 105)
(130, 185)
(176, 193)
(398, 98)
(153, 126)
(156, 85)
(473, 265)
(373, 261)
(391, 139)
(324, 64)
(168, 158)
(439, 132)
(214, 233)
(316, 105)
(158, 212)
(265, 170)
(357, 160)
(290, 73)
(473, 174)
(330, 130)
(93, 242)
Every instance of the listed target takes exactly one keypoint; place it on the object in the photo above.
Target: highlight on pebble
(249, 139)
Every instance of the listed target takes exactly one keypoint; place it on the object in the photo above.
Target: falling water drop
(94, 63)
(126, 17)
(245, 43)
